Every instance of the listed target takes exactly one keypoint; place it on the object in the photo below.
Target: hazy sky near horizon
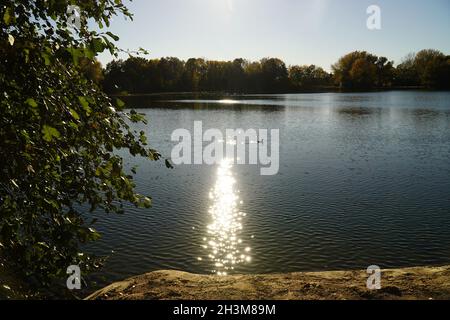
(296, 31)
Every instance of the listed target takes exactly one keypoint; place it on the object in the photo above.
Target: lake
(364, 179)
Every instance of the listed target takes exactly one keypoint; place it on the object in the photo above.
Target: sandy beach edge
(418, 283)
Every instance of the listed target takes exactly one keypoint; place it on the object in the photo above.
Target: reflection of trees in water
(357, 111)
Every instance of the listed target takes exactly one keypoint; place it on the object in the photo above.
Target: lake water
(364, 179)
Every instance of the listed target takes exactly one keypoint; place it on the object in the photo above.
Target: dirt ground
(424, 283)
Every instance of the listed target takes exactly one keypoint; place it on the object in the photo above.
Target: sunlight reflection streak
(223, 242)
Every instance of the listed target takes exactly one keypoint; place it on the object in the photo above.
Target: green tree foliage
(428, 68)
(170, 73)
(433, 68)
(308, 77)
(236, 76)
(358, 70)
(195, 71)
(58, 134)
(406, 73)
(270, 75)
(274, 75)
(253, 75)
(91, 69)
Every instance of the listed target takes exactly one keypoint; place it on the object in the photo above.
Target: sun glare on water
(228, 101)
(223, 243)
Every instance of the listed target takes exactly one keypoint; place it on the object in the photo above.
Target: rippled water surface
(364, 179)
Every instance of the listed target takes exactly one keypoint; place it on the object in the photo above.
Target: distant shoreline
(419, 283)
(318, 90)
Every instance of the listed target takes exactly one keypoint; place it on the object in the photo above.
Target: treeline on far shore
(358, 70)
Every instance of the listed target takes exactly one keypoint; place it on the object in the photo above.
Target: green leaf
(142, 138)
(7, 16)
(120, 103)
(144, 202)
(27, 55)
(147, 202)
(113, 36)
(74, 114)
(88, 53)
(85, 105)
(31, 102)
(73, 125)
(50, 133)
(98, 45)
(43, 244)
(46, 57)
(94, 235)
(76, 54)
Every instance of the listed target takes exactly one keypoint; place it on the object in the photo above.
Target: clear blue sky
(297, 31)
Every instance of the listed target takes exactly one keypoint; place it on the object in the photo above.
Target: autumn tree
(428, 68)
(357, 70)
(433, 68)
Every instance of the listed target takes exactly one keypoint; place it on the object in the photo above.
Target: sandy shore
(422, 283)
